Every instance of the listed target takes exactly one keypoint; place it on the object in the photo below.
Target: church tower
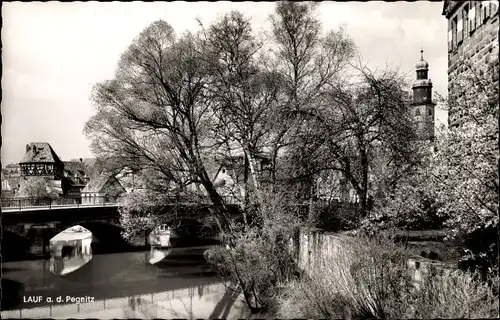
(422, 105)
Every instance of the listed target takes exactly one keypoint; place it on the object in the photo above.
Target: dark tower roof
(422, 64)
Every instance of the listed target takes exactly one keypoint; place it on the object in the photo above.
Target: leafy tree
(245, 96)
(308, 62)
(466, 164)
(36, 188)
(359, 124)
(457, 183)
(340, 125)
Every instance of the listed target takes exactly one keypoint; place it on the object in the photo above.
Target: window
(472, 18)
(430, 112)
(460, 27)
(417, 112)
(465, 15)
(454, 33)
(478, 14)
(486, 11)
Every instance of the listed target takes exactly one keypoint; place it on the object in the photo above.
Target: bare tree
(245, 95)
(361, 122)
(156, 112)
(308, 61)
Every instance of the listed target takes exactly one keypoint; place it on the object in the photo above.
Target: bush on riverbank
(256, 264)
(257, 258)
(372, 278)
(453, 294)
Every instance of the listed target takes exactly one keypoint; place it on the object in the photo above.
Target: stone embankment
(314, 248)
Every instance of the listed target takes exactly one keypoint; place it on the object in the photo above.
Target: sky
(54, 52)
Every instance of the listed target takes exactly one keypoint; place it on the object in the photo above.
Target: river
(121, 285)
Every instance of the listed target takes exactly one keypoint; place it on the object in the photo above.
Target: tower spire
(423, 107)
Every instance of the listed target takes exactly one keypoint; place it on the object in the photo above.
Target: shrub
(258, 259)
(365, 278)
(482, 249)
(453, 294)
(371, 278)
(303, 300)
(256, 264)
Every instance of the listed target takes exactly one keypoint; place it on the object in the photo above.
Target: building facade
(101, 189)
(77, 179)
(40, 160)
(11, 179)
(422, 106)
(473, 38)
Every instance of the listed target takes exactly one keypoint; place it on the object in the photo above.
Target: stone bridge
(26, 233)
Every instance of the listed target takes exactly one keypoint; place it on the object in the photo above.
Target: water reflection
(158, 254)
(163, 282)
(216, 301)
(70, 250)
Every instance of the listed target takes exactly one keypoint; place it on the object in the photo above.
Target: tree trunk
(222, 215)
(246, 199)
(311, 202)
(253, 171)
(363, 192)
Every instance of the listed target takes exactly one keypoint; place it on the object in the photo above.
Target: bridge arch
(106, 235)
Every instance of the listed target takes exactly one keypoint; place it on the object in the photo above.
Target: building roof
(76, 170)
(88, 163)
(40, 152)
(97, 183)
(449, 6)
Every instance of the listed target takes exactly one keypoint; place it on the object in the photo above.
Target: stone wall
(479, 47)
(314, 247)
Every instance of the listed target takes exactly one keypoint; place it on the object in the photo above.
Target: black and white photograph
(250, 160)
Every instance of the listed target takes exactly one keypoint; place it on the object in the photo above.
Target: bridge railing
(26, 202)
(196, 199)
